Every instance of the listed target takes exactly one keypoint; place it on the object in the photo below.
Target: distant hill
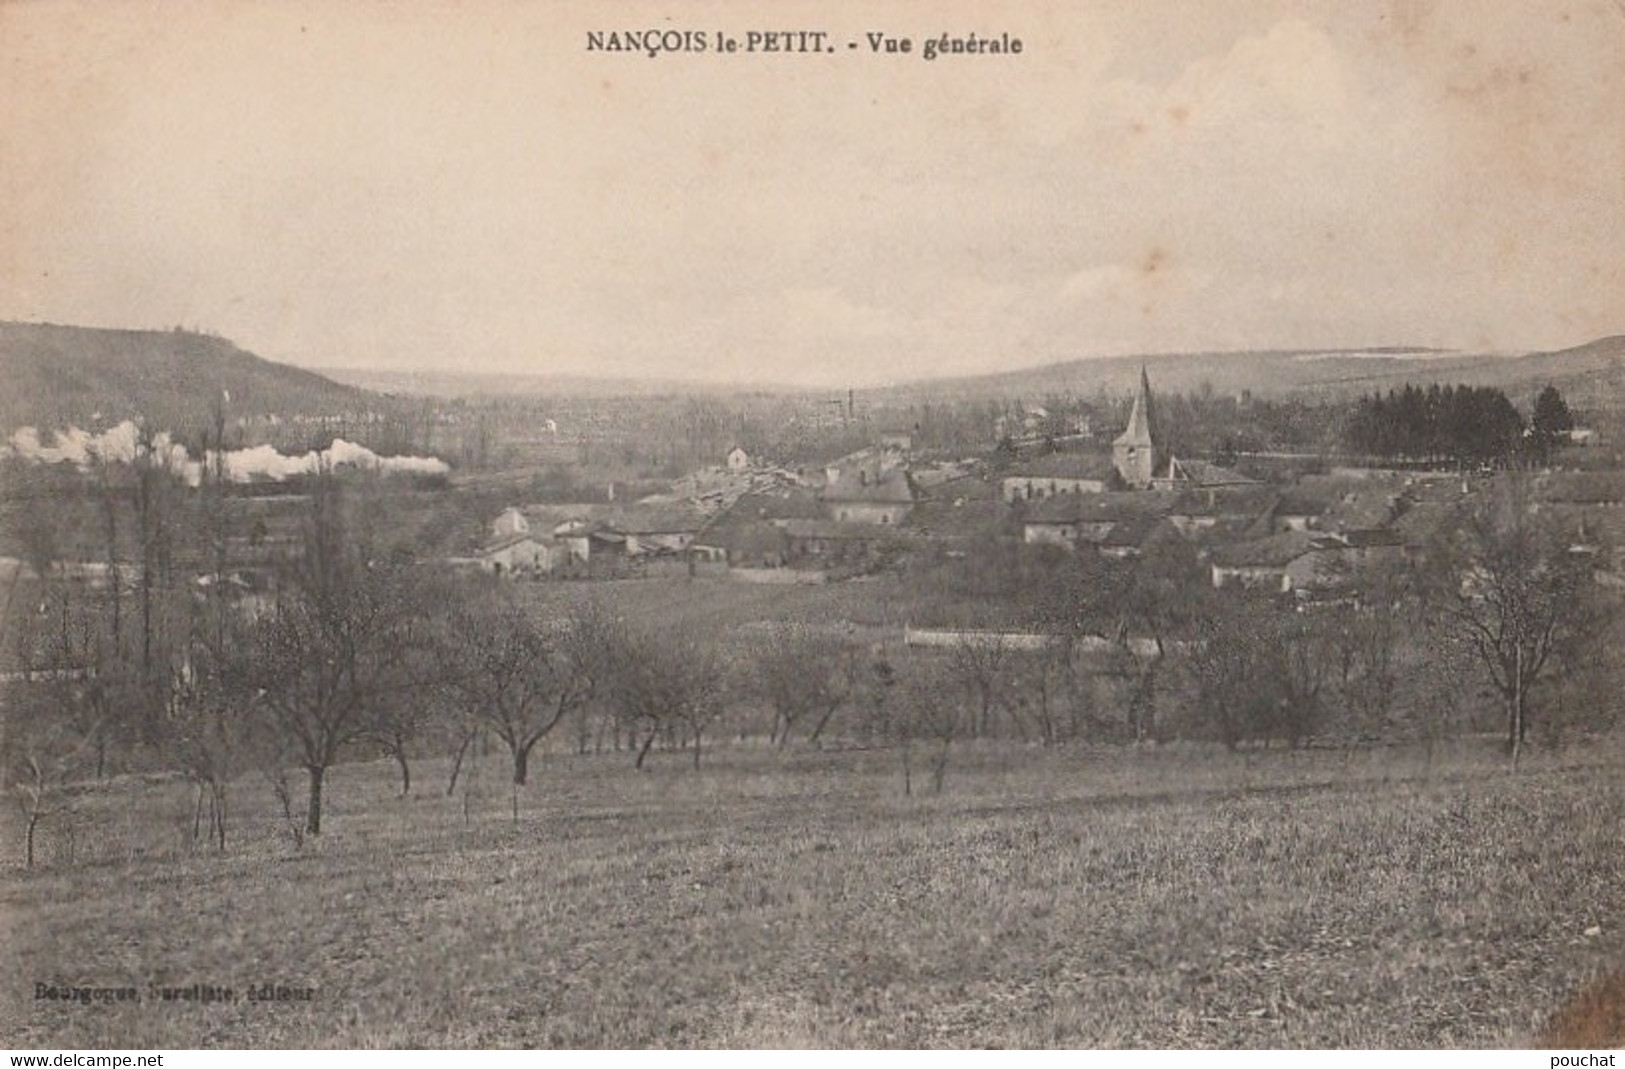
(1591, 376)
(442, 382)
(56, 376)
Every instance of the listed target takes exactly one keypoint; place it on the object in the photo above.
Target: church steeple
(1135, 450)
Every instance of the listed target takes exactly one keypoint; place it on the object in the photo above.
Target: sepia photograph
(726, 525)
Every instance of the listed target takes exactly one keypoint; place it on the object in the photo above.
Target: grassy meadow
(1073, 897)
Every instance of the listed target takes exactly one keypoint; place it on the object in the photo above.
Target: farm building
(867, 494)
(1059, 473)
(518, 554)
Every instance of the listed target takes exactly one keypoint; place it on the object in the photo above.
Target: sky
(467, 185)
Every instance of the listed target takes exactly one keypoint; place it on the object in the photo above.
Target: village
(1309, 535)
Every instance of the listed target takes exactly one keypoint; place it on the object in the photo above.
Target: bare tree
(977, 665)
(804, 676)
(517, 676)
(1234, 673)
(1519, 590)
(1141, 605)
(933, 708)
(44, 761)
(662, 685)
(331, 649)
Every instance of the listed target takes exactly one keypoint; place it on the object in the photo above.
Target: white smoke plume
(122, 444)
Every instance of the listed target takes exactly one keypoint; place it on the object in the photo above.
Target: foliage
(1551, 421)
(1461, 424)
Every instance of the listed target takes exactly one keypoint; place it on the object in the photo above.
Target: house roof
(552, 517)
(958, 517)
(1131, 532)
(509, 542)
(1097, 508)
(785, 506)
(834, 531)
(1372, 538)
(1276, 551)
(743, 536)
(888, 487)
(1201, 474)
(1065, 466)
(1583, 487)
(1249, 501)
(654, 519)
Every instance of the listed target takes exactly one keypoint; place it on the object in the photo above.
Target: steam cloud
(122, 444)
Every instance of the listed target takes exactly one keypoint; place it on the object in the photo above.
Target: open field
(1089, 898)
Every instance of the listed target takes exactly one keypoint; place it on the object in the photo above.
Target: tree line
(345, 647)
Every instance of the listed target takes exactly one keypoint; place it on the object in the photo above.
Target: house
(517, 555)
(742, 542)
(1305, 562)
(1262, 562)
(1592, 489)
(777, 508)
(1226, 512)
(1128, 537)
(643, 530)
(512, 521)
(960, 511)
(1090, 519)
(831, 542)
(1059, 473)
(1338, 503)
(738, 459)
(869, 494)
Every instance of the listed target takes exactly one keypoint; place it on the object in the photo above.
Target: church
(1144, 462)
(1135, 451)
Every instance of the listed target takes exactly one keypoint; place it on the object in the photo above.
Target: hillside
(445, 383)
(1592, 376)
(56, 376)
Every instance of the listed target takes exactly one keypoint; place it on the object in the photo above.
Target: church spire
(1141, 430)
(1135, 450)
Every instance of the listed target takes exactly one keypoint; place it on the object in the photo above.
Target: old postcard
(734, 525)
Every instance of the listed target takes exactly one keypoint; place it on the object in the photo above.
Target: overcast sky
(427, 184)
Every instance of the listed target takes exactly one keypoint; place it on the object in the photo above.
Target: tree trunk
(941, 769)
(696, 747)
(521, 764)
(313, 806)
(644, 750)
(197, 814)
(823, 721)
(1515, 711)
(406, 770)
(217, 804)
(457, 762)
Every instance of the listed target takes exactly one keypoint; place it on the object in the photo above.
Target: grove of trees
(147, 633)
